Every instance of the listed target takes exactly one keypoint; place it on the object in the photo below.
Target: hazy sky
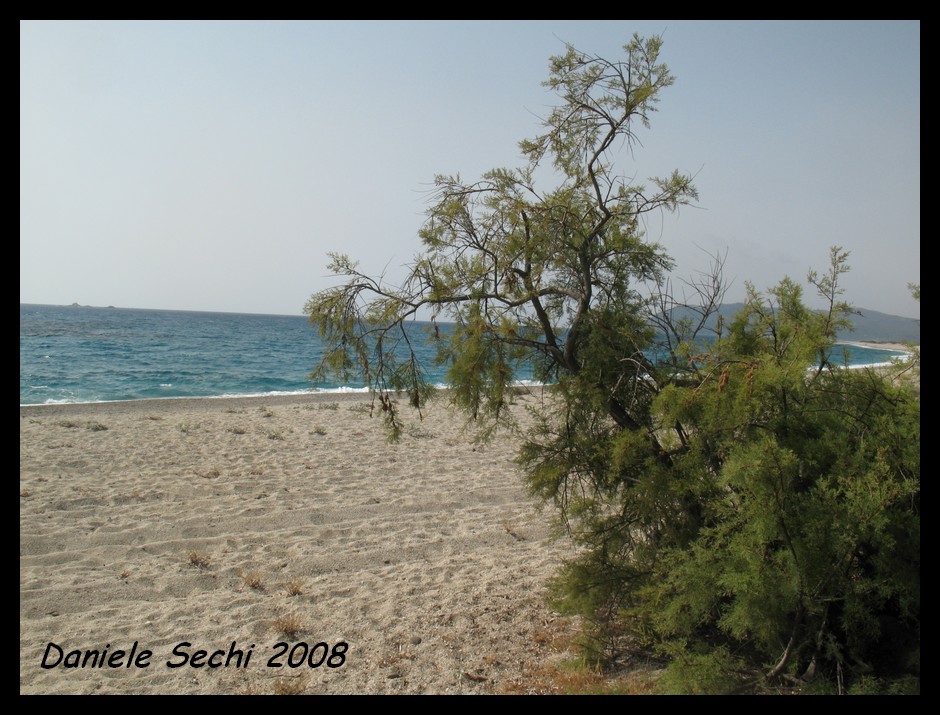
(212, 165)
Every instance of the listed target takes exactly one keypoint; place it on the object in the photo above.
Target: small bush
(288, 624)
(290, 686)
(198, 560)
(254, 580)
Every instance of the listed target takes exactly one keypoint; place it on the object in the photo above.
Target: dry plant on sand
(198, 560)
(288, 624)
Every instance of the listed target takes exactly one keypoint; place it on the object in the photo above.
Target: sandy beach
(172, 545)
(233, 525)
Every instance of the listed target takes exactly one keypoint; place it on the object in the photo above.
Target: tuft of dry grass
(290, 686)
(416, 432)
(125, 574)
(288, 624)
(254, 580)
(294, 587)
(198, 560)
(509, 530)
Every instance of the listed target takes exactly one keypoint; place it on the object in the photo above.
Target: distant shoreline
(349, 394)
(876, 345)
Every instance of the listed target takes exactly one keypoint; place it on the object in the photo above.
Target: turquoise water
(72, 354)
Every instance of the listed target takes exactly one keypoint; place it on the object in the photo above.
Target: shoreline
(345, 394)
(891, 346)
(205, 403)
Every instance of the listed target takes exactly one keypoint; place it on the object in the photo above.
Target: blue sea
(85, 354)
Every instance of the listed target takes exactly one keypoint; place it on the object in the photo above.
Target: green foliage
(524, 273)
(745, 508)
(714, 673)
(808, 559)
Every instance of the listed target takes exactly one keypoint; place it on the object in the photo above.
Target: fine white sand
(216, 521)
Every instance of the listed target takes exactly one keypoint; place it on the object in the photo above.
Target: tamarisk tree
(745, 509)
(545, 276)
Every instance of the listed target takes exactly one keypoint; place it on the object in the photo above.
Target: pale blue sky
(212, 165)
